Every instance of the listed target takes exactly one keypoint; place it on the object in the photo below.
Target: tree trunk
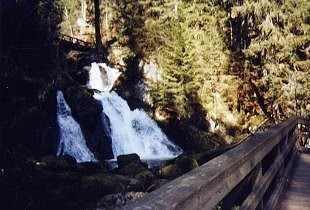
(260, 100)
(99, 45)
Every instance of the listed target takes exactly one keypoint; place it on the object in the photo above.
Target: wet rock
(123, 160)
(98, 141)
(70, 160)
(91, 167)
(171, 171)
(85, 109)
(87, 112)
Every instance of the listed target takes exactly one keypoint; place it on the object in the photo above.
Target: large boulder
(88, 168)
(85, 109)
(189, 137)
(123, 160)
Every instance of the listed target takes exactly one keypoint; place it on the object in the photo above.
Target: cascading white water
(72, 141)
(102, 77)
(134, 131)
(131, 131)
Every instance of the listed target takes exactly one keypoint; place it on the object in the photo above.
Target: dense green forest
(240, 62)
(211, 72)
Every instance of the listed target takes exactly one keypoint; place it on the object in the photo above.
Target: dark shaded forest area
(30, 62)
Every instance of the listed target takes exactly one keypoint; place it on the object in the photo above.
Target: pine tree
(279, 30)
(178, 67)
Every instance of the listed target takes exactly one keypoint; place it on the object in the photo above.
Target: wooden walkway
(297, 194)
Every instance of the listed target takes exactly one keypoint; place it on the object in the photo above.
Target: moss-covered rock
(171, 171)
(138, 171)
(146, 177)
(186, 163)
(135, 185)
(54, 163)
(103, 184)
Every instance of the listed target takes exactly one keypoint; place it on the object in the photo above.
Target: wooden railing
(303, 144)
(76, 41)
(250, 176)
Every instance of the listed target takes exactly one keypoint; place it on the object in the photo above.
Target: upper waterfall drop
(102, 77)
(130, 131)
(72, 141)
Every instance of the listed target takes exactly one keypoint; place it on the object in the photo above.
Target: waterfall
(72, 141)
(134, 131)
(130, 131)
(102, 77)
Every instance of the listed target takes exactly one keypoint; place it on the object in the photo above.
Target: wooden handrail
(75, 41)
(254, 166)
(303, 141)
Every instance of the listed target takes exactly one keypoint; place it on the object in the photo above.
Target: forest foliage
(240, 61)
(236, 62)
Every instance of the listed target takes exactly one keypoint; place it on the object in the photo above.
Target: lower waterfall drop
(134, 131)
(71, 141)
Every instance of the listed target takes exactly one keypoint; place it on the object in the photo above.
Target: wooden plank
(304, 166)
(299, 190)
(302, 173)
(304, 178)
(292, 206)
(297, 194)
(274, 199)
(297, 199)
(298, 184)
(305, 158)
